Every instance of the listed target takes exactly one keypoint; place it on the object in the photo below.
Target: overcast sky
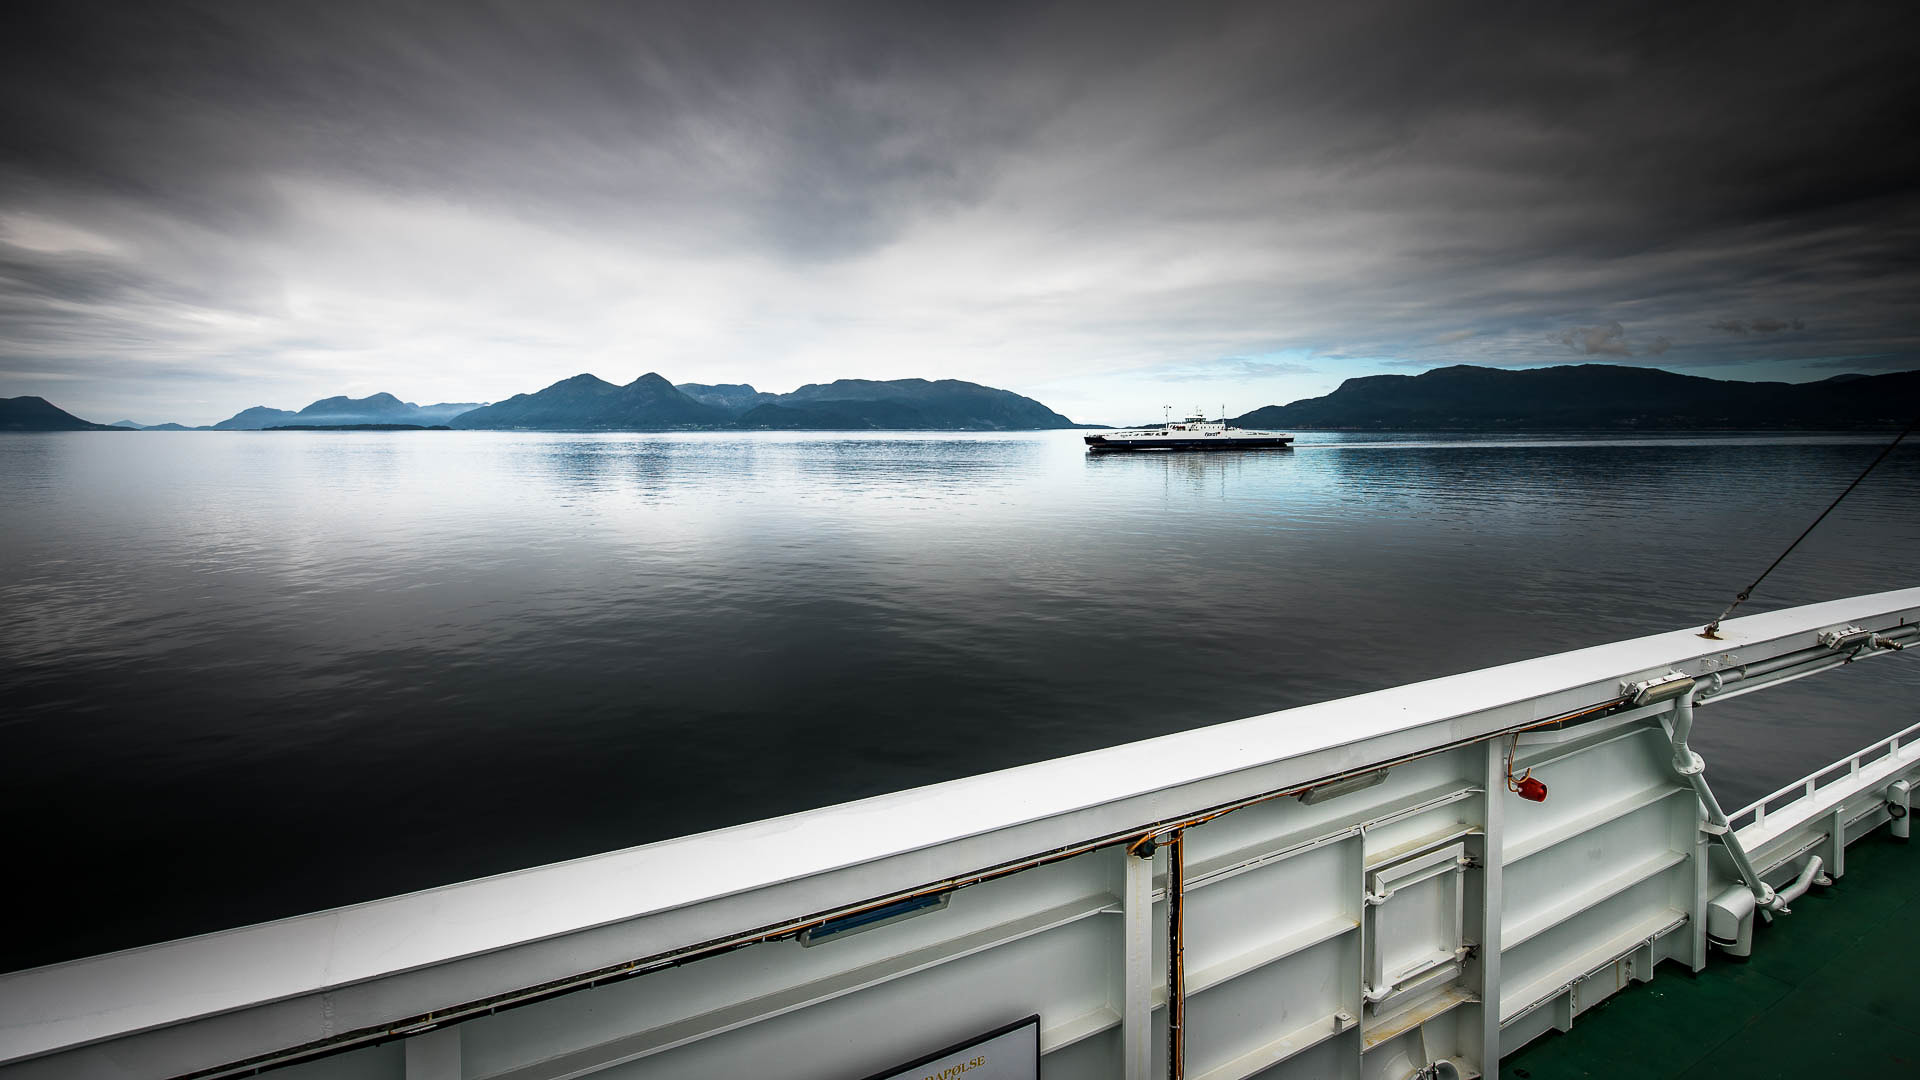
(206, 207)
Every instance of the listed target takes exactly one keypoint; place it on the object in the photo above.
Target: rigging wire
(1713, 628)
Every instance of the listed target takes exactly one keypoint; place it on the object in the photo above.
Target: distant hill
(868, 404)
(1596, 396)
(39, 414)
(946, 404)
(587, 403)
(381, 409)
(650, 403)
(736, 398)
(838, 416)
(344, 411)
(260, 416)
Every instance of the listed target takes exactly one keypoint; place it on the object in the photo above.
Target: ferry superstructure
(1412, 882)
(1191, 433)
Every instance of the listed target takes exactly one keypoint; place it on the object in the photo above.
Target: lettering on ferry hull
(1010, 1052)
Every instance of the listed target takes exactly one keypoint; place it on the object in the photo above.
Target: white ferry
(1193, 433)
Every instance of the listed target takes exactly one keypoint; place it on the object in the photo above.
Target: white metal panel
(1263, 909)
(1274, 1010)
(1061, 975)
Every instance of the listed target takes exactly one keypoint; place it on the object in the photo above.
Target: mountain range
(851, 404)
(651, 403)
(1596, 396)
(1458, 398)
(341, 411)
(590, 403)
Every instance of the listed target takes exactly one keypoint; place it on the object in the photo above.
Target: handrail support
(1693, 768)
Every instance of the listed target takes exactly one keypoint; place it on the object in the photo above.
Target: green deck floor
(1829, 992)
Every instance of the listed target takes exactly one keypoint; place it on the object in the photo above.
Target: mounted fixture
(1333, 789)
(1845, 638)
(1652, 691)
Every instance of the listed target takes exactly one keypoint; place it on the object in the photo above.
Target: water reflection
(224, 653)
(1205, 472)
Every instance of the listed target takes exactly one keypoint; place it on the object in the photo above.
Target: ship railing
(1755, 813)
(1366, 886)
(1817, 816)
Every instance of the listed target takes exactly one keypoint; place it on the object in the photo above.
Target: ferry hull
(1103, 444)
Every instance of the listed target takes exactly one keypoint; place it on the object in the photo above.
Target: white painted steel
(1495, 918)
(1900, 805)
(434, 1055)
(1136, 1006)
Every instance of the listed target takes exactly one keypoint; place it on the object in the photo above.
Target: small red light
(1532, 790)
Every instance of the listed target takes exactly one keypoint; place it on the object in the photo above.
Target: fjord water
(247, 675)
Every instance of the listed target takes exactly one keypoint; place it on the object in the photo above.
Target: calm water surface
(246, 675)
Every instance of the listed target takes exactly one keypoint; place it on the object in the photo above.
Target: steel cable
(1713, 628)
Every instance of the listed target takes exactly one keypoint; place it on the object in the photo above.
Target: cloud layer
(204, 207)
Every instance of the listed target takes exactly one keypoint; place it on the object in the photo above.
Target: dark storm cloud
(732, 115)
(1608, 340)
(1899, 361)
(27, 276)
(982, 190)
(1232, 367)
(1755, 326)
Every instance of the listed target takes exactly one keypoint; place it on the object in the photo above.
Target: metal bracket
(1845, 637)
(1659, 688)
(1662, 688)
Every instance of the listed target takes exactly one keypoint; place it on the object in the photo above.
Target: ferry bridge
(1412, 882)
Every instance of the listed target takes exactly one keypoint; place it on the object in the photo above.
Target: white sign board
(1008, 1053)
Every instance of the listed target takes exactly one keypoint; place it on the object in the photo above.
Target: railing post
(1176, 955)
(1136, 1008)
(1492, 883)
(1837, 866)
